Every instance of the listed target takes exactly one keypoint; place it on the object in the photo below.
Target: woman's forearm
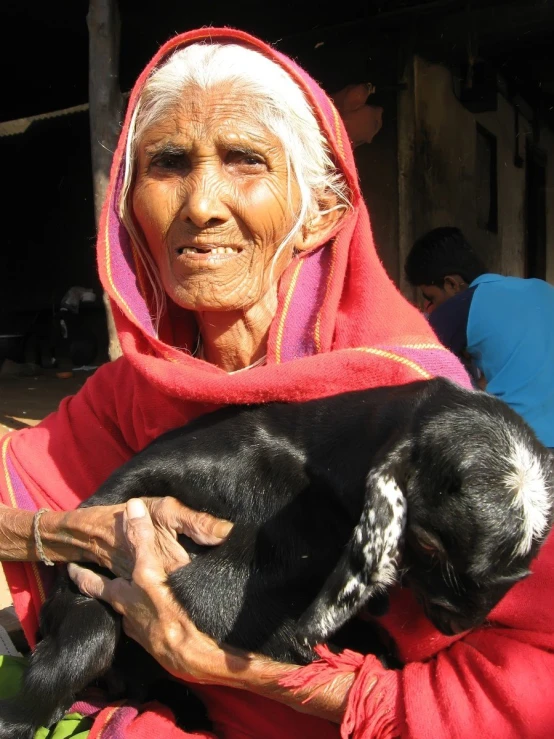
(67, 536)
(95, 533)
(16, 535)
(263, 678)
(17, 541)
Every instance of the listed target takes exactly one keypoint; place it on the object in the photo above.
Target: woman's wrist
(62, 537)
(59, 538)
(18, 541)
(70, 536)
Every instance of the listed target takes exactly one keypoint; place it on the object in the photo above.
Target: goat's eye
(426, 546)
(425, 542)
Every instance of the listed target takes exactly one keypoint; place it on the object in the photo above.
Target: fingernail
(222, 528)
(73, 570)
(135, 508)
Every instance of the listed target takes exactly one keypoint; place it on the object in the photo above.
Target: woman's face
(212, 201)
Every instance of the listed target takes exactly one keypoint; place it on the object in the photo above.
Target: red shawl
(341, 325)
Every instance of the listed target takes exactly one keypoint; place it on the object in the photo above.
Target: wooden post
(406, 123)
(105, 110)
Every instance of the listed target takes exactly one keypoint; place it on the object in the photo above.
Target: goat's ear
(370, 561)
(513, 577)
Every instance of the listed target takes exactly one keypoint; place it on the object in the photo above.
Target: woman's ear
(320, 227)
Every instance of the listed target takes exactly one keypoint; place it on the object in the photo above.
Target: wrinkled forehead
(224, 113)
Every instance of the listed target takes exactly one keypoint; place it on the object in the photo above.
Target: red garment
(128, 722)
(340, 325)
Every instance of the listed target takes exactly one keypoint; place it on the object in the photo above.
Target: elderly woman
(237, 252)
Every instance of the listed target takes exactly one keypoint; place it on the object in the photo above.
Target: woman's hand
(96, 534)
(151, 615)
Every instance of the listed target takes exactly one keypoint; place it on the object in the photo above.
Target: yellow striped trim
(170, 358)
(317, 337)
(395, 358)
(423, 346)
(338, 135)
(108, 719)
(36, 573)
(11, 493)
(109, 268)
(288, 299)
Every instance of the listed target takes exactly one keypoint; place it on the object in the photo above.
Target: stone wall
(446, 181)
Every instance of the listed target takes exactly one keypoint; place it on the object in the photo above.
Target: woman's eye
(170, 161)
(246, 160)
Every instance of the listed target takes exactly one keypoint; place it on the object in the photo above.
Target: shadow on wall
(378, 169)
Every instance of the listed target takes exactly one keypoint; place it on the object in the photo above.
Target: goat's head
(462, 501)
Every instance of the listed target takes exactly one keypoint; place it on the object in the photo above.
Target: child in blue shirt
(503, 325)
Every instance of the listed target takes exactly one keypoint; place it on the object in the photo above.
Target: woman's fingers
(89, 583)
(115, 592)
(151, 615)
(153, 558)
(202, 528)
(141, 535)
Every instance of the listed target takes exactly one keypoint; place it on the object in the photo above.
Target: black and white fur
(330, 498)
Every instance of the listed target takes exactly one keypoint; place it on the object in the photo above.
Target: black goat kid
(329, 498)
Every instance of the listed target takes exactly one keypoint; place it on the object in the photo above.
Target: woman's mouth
(207, 254)
(207, 250)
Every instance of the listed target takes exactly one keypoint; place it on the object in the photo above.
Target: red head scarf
(335, 298)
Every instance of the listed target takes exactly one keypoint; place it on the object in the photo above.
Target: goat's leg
(79, 637)
(79, 640)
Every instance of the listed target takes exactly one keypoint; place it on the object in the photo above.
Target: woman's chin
(209, 282)
(226, 284)
(196, 298)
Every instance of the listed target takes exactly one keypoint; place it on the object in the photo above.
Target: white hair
(275, 100)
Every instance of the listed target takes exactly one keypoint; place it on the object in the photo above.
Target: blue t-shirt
(449, 320)
(509, 333)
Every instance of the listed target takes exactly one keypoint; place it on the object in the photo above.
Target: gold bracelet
(38, 541)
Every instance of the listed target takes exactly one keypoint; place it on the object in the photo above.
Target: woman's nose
(203, 204)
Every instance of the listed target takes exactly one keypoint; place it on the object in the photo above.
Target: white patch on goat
(387, 540)
(377, 566)
(530, 494)
(380, 550)
(352, 586)
(327, 623)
